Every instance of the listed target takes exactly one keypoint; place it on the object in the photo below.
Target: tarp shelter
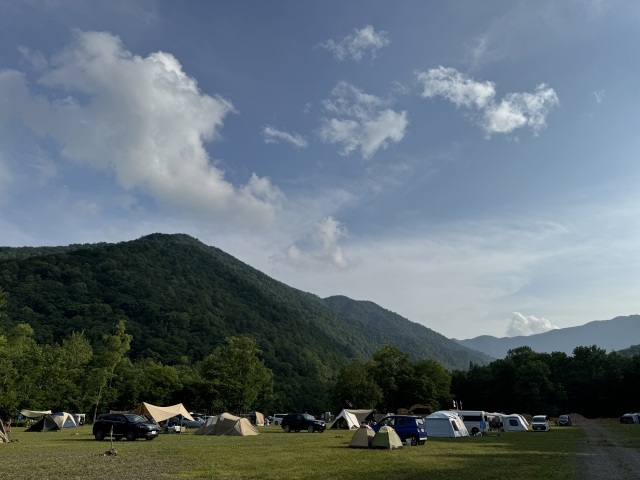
(162, 413)
(352, 419)
(387, 438)
(445, 424)
(514, 422)
(226, 425)
(54, 421)
(363, 437)
(34, 413)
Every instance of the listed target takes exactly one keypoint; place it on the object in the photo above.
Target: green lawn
(275, 455)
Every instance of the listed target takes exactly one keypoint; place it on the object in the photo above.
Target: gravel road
(603, 457)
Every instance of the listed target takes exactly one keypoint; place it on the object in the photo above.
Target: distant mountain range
(616, 334)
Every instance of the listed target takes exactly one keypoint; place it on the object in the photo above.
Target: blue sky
(469, 165)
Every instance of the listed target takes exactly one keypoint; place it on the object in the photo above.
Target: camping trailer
(476, 421)
(514, 423)
(445, 424)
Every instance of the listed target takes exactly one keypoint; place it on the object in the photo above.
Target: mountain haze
(181, 298)
(616, 334)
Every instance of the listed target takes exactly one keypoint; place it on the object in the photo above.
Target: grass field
(278, 455)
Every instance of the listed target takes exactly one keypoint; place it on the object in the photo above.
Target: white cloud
(598, 96)
(515, 110)
(320, 250)
(521, 325)
(142, 118)
(361, 122)
(455, 87)
(273, 135)
(358, 44)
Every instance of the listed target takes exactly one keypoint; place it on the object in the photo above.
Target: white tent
(352, 419)
(445, 424)
(35, 413)
(514, 422)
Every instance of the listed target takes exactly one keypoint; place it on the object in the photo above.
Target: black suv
(125, 425)
(302, 421)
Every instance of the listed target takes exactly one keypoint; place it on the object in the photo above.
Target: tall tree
(236, 376)
(355, 388)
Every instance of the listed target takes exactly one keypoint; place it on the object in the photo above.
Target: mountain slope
(615, 334)
(181, 298)
(415, 339)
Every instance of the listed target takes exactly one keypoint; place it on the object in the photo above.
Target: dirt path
(603, 456)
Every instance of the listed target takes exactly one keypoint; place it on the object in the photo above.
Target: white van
(476, 421)
(277, 418)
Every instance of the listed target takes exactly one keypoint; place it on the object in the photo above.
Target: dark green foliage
(591, 383)
(180, 299)
(417, 340)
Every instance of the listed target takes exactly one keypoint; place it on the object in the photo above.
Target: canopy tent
(445, 424)
(387, 438)
(352, 419)
(54, 421)
(226, 425)
(363, 437)
(162, 413)
(34, 413)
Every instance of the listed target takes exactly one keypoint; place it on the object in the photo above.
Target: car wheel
(310, 429)
(131, 436)
(99, 435)
(474, 430)
(286, 428)
(414, 441)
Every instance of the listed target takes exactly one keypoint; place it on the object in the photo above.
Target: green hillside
(180, 299)
(414, 338)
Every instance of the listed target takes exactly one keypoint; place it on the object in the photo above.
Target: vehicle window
(390, 421)
(133, 418)
(455, 427)
(419, 421)
(472, 418)
(107, 417)
(309, 417)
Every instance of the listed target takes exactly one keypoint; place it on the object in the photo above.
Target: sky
(471, 166)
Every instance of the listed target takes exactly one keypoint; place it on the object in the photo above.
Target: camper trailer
(476, 421)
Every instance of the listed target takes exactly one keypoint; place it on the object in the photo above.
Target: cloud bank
(358, 44)
(143, 119)
(361, 121)
(515, 110)
(523, 326)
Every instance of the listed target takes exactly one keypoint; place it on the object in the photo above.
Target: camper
(476, 421)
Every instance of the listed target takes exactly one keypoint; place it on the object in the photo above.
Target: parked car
(277, 418)
(195, 423)
(540, 423)
(564, 421)
(124, 425)
(407, 427)
(302, 421)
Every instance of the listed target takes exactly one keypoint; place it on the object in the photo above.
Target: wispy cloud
(598, 96)
(521, 325)
(320, 250)
(515, 110)
(142, 118)
(273, 135)
(361, 121)
(358, 44)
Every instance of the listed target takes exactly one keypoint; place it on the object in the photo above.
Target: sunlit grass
(275, 455)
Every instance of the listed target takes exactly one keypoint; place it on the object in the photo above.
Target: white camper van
(476, 421)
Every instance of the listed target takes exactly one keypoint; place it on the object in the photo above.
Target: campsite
(273, 454)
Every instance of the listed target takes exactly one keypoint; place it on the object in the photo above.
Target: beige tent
(363, 437)
(226, 424)
(162, 413)
(352, 419)
(387, 438)
(4, 435)
(54, 421)
(259, 419)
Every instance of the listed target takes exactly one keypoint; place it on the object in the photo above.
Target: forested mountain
(615, 334)
(415, 339)
(180, 299)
